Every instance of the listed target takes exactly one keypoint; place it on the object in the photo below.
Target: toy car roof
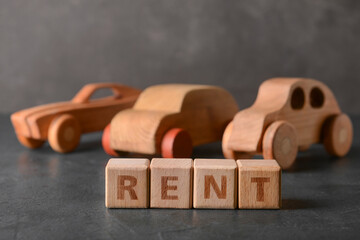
(278, 92)
(157, 98)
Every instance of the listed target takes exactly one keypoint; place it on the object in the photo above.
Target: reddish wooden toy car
(63, 123)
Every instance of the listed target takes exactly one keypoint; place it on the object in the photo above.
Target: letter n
(210, 180)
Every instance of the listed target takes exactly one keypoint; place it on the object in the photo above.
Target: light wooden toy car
(63, 123)
(289, 114)
(170, 119)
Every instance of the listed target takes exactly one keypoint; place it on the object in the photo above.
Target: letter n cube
(127, 183)
(215, 183)
(259, 184)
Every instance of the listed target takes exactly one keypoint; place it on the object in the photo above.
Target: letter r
(129, 187)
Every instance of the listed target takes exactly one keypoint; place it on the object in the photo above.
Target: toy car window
(316, 98)
(297, 98)
(101, 93)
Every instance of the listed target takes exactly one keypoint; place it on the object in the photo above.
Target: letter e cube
(171, 183)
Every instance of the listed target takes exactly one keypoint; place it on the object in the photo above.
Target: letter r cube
(259, 184)
(127, 183)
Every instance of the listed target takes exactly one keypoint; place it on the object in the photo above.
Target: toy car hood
(26, 122)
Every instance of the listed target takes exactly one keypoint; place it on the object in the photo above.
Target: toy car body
(170, 119)
(288, 114)
(62, 123)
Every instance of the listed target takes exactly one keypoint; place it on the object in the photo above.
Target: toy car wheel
(30, 142)
(64, 133)
(338, 135)
(280, 143)
(176, 143)
(105, 140)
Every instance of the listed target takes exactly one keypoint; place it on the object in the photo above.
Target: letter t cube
(127, 183)
(259, 184)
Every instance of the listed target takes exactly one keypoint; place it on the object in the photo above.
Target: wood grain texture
(127, 183)
(215, 183)
(91, 115)
(303, 103)
(202, 111)
(259, 184)
(171, 183)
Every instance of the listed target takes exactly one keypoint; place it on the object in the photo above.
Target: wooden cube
(127, 183)
(171, 183)
(259, 184)
(215, 183)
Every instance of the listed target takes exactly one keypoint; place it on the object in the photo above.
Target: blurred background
(49, 48)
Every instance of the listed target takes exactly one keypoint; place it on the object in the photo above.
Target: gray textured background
(50, 48)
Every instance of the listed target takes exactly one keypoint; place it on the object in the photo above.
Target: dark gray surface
(45, 195)
(50, 48)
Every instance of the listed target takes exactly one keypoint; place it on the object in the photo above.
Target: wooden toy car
(170, 119)
(63, 123)
(289, 114)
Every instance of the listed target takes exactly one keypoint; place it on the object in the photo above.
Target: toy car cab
(289, 114)
(170, 119)
(62, 123)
